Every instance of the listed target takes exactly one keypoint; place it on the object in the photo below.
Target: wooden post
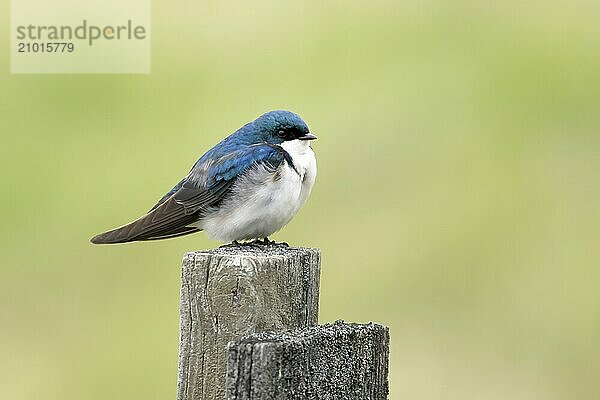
(339, 361)
(230, 292)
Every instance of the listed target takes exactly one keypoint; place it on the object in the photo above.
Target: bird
(247, 187)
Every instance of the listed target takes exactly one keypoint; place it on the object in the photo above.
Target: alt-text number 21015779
(45, 47)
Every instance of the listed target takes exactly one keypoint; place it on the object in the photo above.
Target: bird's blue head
(278, 126)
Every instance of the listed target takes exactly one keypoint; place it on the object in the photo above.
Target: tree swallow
(248, 186)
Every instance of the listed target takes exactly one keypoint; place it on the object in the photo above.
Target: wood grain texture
(227, 293)
(339, 361)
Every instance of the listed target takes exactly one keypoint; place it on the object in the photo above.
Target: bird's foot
(267, 242)
(235, 243)
(256, 243)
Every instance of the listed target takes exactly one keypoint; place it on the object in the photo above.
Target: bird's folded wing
(207, 183)
(204, 187)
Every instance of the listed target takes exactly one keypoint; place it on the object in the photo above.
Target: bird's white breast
(263, 202)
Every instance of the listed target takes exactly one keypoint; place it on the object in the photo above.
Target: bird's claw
(267, 242)
(235, 243)
(256, 243)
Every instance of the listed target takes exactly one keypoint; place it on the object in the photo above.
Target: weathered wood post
(338, 361)
(230, 292)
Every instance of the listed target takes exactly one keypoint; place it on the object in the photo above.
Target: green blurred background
(457, 200)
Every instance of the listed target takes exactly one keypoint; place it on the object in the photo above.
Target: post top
(337, 329)
(256, 250)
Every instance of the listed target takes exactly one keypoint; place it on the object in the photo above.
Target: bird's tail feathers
(127, 233)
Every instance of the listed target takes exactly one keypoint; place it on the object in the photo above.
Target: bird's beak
(308, 136)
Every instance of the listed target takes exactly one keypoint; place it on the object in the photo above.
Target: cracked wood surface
(231, 292)
(338, 362)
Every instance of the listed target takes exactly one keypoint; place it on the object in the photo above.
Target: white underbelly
(261, 203)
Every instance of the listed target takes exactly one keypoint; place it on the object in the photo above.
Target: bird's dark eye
(288, 133)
